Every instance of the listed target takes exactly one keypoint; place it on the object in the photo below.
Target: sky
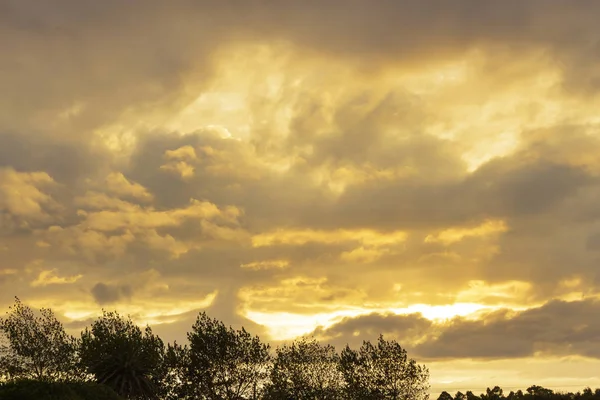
(427, 170)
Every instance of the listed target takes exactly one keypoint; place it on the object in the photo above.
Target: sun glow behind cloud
(286, 326)
(263, 84)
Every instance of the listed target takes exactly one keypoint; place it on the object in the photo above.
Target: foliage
(36, 347)
(225, 363)
(383, 371)
(42, 390)
(175, 384)
(119, 354)
(305, 370)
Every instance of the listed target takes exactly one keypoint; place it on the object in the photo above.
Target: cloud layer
(557, 328)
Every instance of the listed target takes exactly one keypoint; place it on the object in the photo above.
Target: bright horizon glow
(287, 326)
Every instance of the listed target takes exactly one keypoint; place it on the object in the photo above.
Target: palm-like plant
(118, 354)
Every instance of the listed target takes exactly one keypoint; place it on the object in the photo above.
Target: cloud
(106, 294)
(118, 184)
(556, 328)
(49, 277)
(24, 201)
(454, 235)
(266, 264)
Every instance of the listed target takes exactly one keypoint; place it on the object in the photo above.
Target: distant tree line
(115, 359)
(532, 393)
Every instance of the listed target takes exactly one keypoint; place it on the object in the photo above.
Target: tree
(445, 396)
(383, 371)
(120, 355)
(513, 396)
(36, 347)
(460, 396)
(539, 392)
(175, 384)
(472, 396)
(225, 363)
(305, 370)
(493, 394)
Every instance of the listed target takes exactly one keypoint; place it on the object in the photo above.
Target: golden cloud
(300, 237)
(449, 236)
(22, 195)
(50, 277)
(266, 264)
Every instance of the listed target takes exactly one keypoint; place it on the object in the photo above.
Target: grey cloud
(352, 331)
(105, 293)
(65, 161)
(528, 189)
(593, 242)
(555, 329)
(498, 189)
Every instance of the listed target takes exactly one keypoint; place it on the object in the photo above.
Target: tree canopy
(383, 371)
(225, 363)
(305, 370)
(122, 356)
(36, 346)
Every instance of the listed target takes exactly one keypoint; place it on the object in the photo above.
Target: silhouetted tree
(36, 347)
(383, 371)
(460, 396)
(120, 355)
(472, 396)
(305, 370)
(176, 383)
(225, 363)
(493, 394)
(445, 396)
(539, 392)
